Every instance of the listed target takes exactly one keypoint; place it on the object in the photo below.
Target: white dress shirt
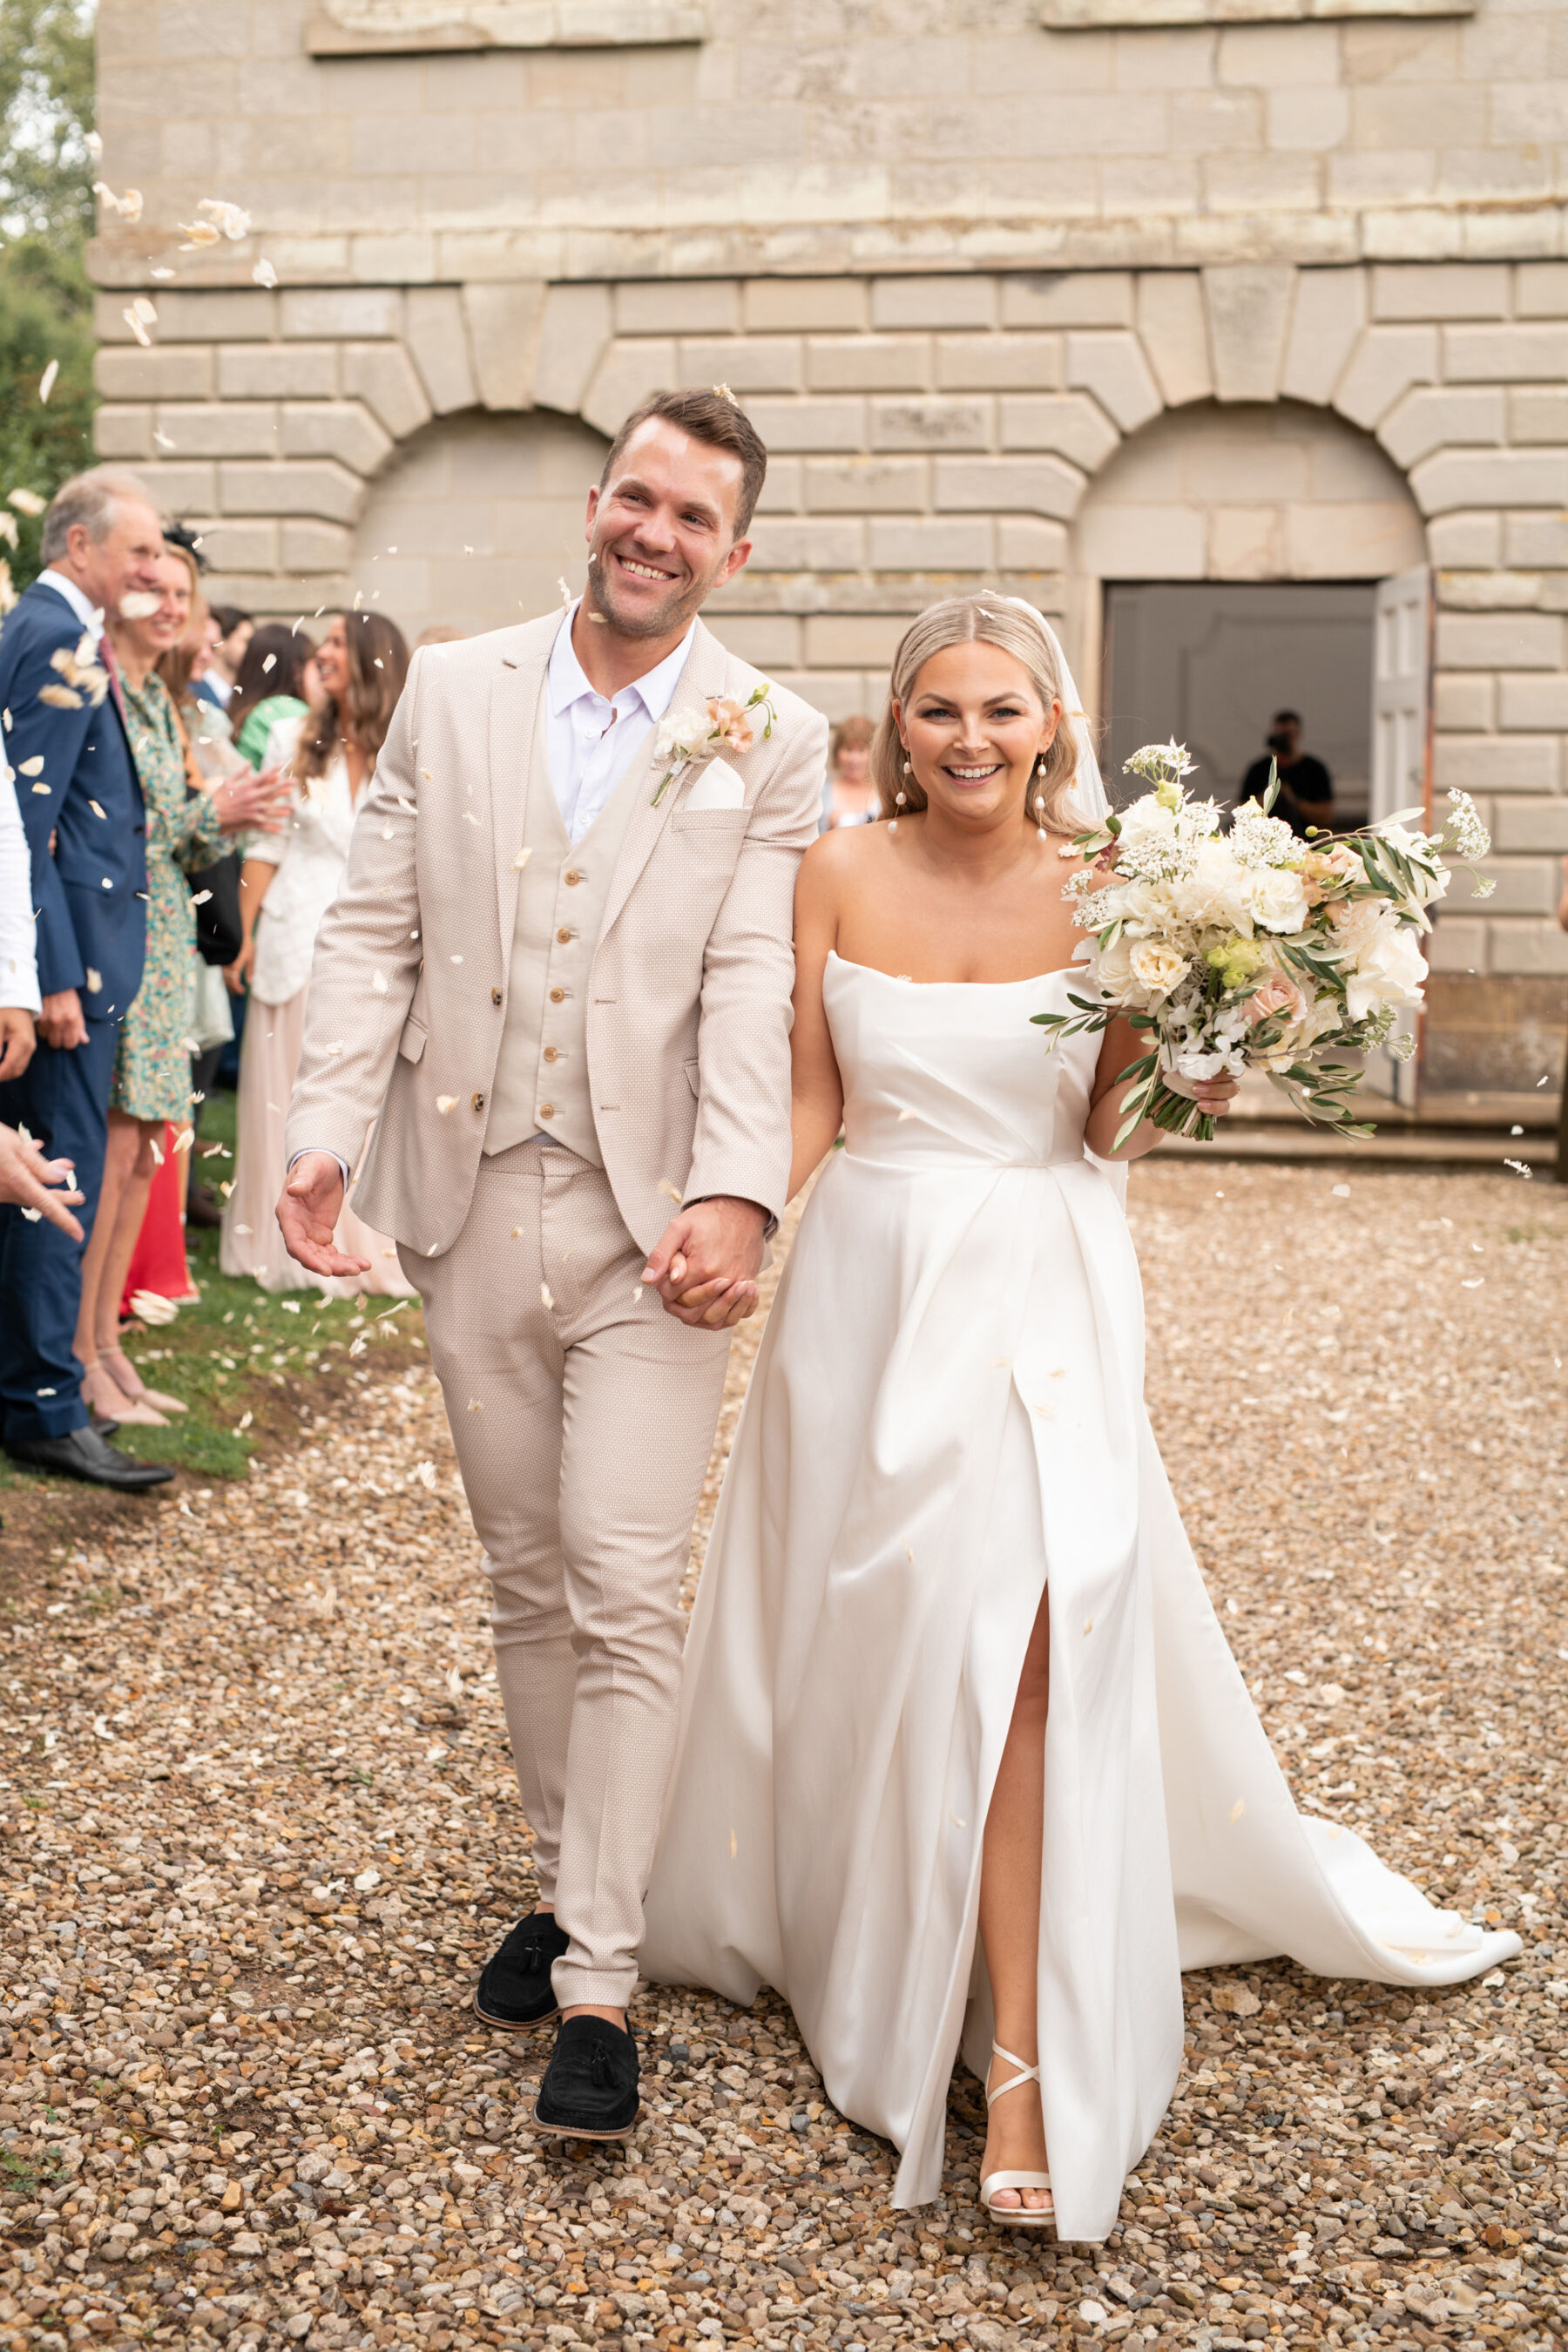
(589, 743)
(86, 611)
(18, 960)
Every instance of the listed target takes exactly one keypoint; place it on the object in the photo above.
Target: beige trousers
(582, 1417)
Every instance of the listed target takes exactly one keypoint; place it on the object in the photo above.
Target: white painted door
(1401, 742)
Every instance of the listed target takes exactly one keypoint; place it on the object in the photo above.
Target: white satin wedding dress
(946, 1419)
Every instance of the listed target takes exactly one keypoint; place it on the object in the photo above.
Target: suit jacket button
(478, 1102)
(551, 1053)
(574, 878)
(558, 996)
(547, 1111)
(564, 937)
(495, 996)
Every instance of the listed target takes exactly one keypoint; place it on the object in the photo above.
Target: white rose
(1278, 898)
(1388, 971)
(1146, 821)
(1113, 966)
(1157, 966)
(1217, 892)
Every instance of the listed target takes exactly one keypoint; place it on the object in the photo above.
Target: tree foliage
(46, 217)
(46, 112)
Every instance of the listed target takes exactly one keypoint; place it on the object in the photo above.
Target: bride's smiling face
(973, 728)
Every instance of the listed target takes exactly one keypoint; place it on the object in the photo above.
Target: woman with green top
(153, 1068)
(271, 686)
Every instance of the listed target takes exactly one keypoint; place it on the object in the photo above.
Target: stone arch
(475, 516)
(1242, 491)
(1286, 514)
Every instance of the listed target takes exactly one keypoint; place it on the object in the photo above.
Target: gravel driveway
(260, 1829)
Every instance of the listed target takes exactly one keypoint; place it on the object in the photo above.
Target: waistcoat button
(574, 876)
(495, 996)
(564, 937)
(558, 996)
(478, 1102)
(552, 1054)
(547, 1111)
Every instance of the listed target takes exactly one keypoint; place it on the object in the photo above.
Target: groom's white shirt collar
(590, 741)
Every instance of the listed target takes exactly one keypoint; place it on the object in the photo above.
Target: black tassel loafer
(590, 2087)
(514, 1990)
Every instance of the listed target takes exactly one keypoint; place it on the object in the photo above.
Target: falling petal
(138, 604)
(33, 767)
(545, 1300)
(94, 980)
(231, 220)
(444, 1103)
(27, 502)
(150, 1306)
(378, 981)
(671, 1192)
(263, 274)
(47, 381)
(1237, 1809)
(1088, 1625)
(137, 329)
(59, 698)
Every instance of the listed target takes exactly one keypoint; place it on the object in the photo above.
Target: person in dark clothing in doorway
(1306, 787)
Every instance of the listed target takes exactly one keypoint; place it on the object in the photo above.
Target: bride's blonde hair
(1015, 628)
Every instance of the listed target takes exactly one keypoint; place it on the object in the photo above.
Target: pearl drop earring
(1040, 801)
(900, 799)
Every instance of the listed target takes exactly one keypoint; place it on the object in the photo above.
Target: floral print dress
(152, 1067)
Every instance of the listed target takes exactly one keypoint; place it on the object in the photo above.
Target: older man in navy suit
(83, 810)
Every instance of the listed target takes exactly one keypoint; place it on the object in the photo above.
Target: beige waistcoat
(542, 1076)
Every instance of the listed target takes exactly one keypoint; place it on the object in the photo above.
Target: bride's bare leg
(1010, 1921)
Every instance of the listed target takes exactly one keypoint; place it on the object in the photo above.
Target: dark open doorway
(1210, 662)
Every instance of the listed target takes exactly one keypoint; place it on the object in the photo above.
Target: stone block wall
(1240, 300)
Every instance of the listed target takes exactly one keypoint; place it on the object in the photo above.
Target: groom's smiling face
(661, 531)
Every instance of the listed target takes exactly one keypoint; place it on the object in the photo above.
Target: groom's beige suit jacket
(687, 998)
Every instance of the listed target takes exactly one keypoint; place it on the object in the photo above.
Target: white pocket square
(717, 787)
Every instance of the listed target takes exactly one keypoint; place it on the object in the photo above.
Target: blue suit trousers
(62, 1099)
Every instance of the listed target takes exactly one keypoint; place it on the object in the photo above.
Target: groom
(557, 977)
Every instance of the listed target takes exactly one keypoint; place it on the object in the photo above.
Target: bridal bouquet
(1251, 948)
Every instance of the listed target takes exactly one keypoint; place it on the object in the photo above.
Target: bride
(966, 1761)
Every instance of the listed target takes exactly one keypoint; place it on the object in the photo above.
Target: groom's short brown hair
(711, 416)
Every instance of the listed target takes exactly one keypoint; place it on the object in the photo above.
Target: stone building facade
(1105, 291)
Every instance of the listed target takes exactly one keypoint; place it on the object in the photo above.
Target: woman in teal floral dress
(153, 1070)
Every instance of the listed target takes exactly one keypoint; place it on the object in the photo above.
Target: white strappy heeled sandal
(1015, 2217)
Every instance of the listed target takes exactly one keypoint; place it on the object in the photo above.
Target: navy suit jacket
(91, 894)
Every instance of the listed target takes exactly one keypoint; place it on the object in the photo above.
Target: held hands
(28, 1178)
(706, 1261)
(60, 1022)
(308, 1212)
(248, 803)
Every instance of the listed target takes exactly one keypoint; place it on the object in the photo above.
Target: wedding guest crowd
(150, 741)
(327, 750)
